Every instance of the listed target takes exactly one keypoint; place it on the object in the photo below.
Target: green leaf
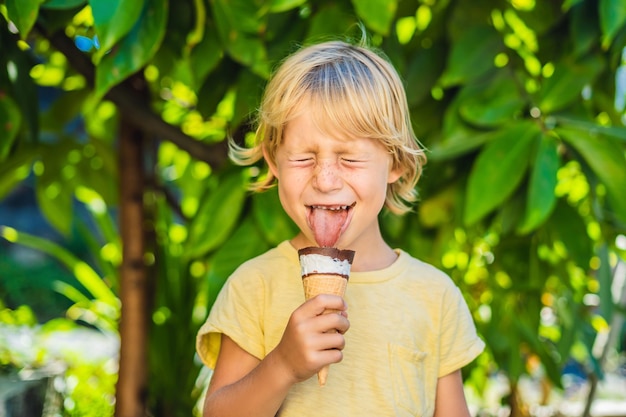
(104, 180)
(93, 175)
(472, 55)
(114, 19)
(10, 119)
(214, 88)
(612, 19)
(23, 13)
(271, 218)
(16, 169)
(54, 197)
(249, 90)
(103, 229)
(15, 79)
(607, 161)
(461, 143)
(278, 6)
(542, 17)
(457, 137)
(497, 103)
(565, 86)
(244, 244)
(135, 50)
(83, 272)
(330, 20)
(239, 25)
(541, 198)
(377, 14)
(498, 170)
(592, 127)
(566, 226)
(62, 4)
(424, 70)
(584, 30)
(251, 51)
(217, 216)
(205, 56)
(22, 316)
(70, 292)
(238, 16)
(511, 213)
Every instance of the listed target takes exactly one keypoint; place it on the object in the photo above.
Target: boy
(334, 130)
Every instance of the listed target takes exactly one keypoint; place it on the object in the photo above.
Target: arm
(240, 375)
(450, 397)
(243, 385)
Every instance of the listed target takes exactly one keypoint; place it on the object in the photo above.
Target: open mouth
(328, 222)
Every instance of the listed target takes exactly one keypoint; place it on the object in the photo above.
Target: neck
(373, 259)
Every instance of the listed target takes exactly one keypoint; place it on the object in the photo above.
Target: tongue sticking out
(326, 225)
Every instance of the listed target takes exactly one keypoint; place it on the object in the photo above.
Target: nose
(327, 176)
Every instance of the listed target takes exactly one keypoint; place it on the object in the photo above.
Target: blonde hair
(351, 89)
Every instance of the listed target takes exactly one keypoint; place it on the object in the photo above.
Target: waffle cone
(315, 284)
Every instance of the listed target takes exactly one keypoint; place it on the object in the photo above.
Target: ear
(394, 174)
(270, 162)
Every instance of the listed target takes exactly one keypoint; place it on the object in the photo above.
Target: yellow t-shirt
(409, 325)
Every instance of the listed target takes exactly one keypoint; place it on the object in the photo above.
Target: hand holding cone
(325, 271)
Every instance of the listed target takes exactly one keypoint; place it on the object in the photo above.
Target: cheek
(378, 188)
(294, 181)
(283, 197)
(288, 190)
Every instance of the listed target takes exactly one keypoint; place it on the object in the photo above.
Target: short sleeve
(460, 343)
(237, 313)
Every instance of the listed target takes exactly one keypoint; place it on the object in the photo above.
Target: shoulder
(262, 269)
(418, 277)
(283, 254)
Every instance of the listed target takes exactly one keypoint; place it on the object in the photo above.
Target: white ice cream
(323, 264)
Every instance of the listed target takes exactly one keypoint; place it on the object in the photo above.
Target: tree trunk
(518, 408)
(132, 385)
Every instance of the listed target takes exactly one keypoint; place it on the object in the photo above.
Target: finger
(331, 347)
(333, 322)
(334, 341)
(329, 356)
(318, 304)
(328, 341)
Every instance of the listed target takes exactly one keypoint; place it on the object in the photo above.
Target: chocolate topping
(346, 277)
(341, 254)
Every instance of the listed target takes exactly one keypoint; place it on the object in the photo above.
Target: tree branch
(134, 111)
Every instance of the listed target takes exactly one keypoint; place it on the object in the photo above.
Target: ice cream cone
(325, 271)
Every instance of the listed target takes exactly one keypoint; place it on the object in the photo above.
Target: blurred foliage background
(520, 103)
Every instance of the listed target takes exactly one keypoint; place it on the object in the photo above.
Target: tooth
(330, 208)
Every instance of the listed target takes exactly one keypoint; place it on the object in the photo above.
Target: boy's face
(331, 186)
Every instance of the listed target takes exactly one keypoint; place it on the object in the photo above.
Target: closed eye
(301, 161)
(352, 160)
